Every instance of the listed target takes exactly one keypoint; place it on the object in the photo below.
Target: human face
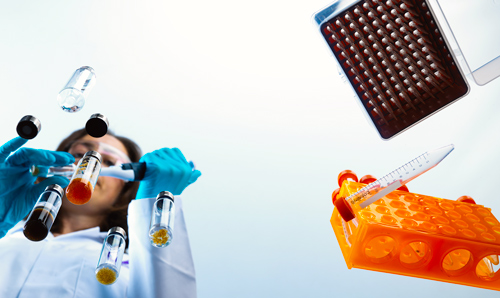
(107, 189)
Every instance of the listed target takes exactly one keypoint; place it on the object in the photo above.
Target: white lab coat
(64, 266)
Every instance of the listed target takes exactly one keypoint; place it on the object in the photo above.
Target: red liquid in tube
(81, 186)
(79, 191)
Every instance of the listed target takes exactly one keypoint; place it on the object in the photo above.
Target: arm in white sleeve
(159, 272)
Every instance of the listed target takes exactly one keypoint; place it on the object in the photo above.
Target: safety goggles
(111, 156)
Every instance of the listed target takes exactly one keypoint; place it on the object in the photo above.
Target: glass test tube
(42, 171)
(44, 213)
(162, 220)
(72, 97)
(110, 261)
(81, 186)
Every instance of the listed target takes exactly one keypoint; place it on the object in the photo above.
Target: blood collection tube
(162, 220)
(110, 261)
(42, 216)
(84, 179)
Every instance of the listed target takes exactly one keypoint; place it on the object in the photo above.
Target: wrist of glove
(166, 170)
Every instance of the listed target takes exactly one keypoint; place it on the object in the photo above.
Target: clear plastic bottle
(162, 220)
(110, 261)
(72, 97)
(44, 213)
(81, 186)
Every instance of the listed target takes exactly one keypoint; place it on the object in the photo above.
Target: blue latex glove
(18, 193)
(166, 169)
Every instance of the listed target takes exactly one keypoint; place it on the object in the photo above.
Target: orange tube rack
(421, 236)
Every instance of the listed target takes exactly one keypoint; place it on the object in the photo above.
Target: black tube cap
(28, 127)
(165, 195)
(97, 125)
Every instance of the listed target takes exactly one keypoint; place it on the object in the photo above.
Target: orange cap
(403, 188)
(466, 199)
(367, 179)
(334, 195)
(346, 174)
(344, 209)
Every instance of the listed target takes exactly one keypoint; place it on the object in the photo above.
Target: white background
(249, 91)
(476, 28)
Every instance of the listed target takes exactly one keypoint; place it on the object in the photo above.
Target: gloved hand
(18, 194)
(166, 169)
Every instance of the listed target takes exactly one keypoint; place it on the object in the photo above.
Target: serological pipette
(390, 182)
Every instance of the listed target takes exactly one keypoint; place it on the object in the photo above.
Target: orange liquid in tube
(79, 191)
(84, 179)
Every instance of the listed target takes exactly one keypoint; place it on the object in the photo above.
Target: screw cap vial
(82, 184)
(28, 127)
(110, 260)
(44, 213)
(162, 220)
(97, 125)
(72, 97)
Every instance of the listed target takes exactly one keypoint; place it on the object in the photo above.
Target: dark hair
(117, 216)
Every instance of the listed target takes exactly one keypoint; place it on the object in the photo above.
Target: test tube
(133, 171)
(72, 97)
(350, 206)
(81, 186)
(162, 220)
(110, 261)
(42, 216)
(42, 171)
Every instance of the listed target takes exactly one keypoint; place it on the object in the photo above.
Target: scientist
(63, 264)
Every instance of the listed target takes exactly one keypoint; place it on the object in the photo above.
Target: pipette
(133, 171)
(390, 182)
